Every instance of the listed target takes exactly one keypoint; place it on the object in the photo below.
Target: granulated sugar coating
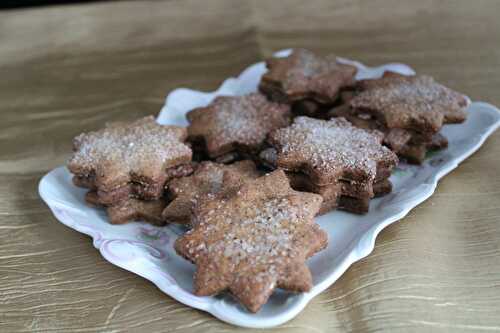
(254, 240)
(330, 150)
(231, 122)
(142, 149)
(305, 75)
(411, 102)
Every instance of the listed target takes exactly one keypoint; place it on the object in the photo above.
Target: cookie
(416, 153)
(129, 159)
(406, 143)
(353, 205)
(397, 138)
(133, 190)
(130, 210)
(329, 151)
(394, 138)
(336, 196)
(301, 182)
(268, 160)
(415, 103)
(236, 123)
(382, 188)
(206, 179)
(358, 195)
(254, 240)
(304, 75)
(311, 108)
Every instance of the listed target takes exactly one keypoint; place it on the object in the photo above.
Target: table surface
(69, 69)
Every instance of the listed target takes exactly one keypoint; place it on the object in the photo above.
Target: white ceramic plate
(147, 250)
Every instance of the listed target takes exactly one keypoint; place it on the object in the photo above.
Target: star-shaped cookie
(410, 102)
(407, 143)
(206, 179)
(254, 240)
(232, 123)
(131, 209)
(329, 151)
(335, 194)
(304, 75)
(135, 155)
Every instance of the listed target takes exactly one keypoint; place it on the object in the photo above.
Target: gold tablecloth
(68, 69)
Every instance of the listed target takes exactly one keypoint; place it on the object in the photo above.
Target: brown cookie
(406, 143)
(311, 108)
(330, 193)
(410, 145)
(254, 240)
(304, 75)
(129, 159)
(329, 151)
(358, 195)
(236, 123)
(269, 156)
(353, 205)
(356, 205)
(301, 182)
(415, 153)
(416, 103)
(133, 190)
(130, 210)
(206, 179)
(382, 188)
(396, 138)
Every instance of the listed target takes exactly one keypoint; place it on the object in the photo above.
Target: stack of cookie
(234, 127)
(312, 85)
(309, 83)
(346, 165)
(409, 110)
(126, 166)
